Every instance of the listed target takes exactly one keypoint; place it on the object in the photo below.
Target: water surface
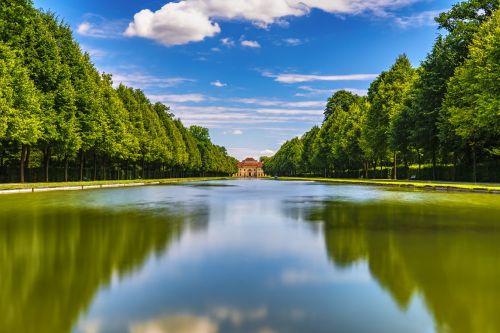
(256, 256)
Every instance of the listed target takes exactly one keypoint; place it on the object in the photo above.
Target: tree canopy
(61, 119)
(443, 116)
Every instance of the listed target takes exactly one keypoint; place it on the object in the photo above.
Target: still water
(250, 256)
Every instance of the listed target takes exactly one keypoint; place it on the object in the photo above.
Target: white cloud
(292, 41)
(238, 317)
(264, 102)
(218, 84)
(267, 152)
(180, 98)
(290, 111)
(309, 91)
(358, 274)
(250, 43)
(418, 20)
(243, 152)
(94, 52)
(301, 78)
(98, 27)
(142, 80)
(175, 23)
(234, 132)
(227, 42)
(224, 116)
(193, 20)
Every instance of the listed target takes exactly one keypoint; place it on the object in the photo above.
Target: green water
(249, 256)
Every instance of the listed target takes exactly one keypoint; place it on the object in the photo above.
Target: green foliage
(472, 103)
(287, 160)
(55, 107)
(20, 119)
(445, 112)
(340, 101)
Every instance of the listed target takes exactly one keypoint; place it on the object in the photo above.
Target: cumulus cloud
(175, 23)
(250, 43)
(194, 20)
(301, 78)
(218, 84)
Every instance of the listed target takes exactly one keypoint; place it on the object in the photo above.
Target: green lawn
(14, 186)
(406, 183)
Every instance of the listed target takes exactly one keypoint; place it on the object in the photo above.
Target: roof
(250, 162)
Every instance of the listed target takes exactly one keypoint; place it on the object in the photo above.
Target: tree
(472, 103)
(387, 95)
(341, 100)
(308, 140)
(19, 105)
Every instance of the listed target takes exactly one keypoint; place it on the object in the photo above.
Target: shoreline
(406, 184)
(89, 185)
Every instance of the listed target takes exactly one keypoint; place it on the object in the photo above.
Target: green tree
(19, 105)
(472, 103)
(387, 96)
(340, 100)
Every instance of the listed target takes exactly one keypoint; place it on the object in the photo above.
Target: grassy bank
(419, 185)
(102, 183)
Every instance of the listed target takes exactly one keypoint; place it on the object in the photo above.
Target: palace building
(250, 167)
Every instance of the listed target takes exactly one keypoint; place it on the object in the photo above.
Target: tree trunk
(433, 164)
(143, 168)
(454, 172)
(95, 166)
(24, 150)
(46, 162)
(126, 169)
(66, 168)
(27, 162)
(82, 162)
(419, 166)
(474, 171)
(395, 166)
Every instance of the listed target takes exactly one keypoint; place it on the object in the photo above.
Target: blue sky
(255, 72)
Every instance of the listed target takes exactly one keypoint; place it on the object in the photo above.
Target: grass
(16, 186)
(407, 183)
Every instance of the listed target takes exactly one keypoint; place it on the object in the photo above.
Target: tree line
(61, 119)
(438, 121)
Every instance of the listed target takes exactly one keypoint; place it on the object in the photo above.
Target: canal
(249, 256)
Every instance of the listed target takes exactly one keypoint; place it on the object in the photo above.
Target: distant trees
(57, 110)
(443, 116)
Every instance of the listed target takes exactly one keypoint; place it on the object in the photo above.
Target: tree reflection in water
(53, 260)
(448, 255)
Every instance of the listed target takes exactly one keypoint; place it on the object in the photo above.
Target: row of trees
(444, 114)
(57, 109)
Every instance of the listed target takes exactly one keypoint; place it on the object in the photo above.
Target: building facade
(250, 167)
